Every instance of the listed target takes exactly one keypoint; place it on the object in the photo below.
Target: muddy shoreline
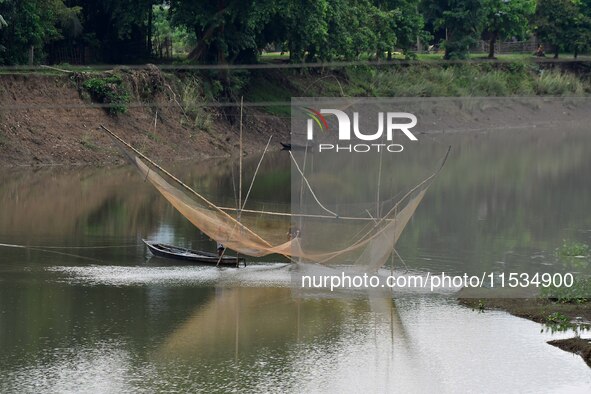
(542, 311)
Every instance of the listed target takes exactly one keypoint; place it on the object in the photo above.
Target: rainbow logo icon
(317, 117)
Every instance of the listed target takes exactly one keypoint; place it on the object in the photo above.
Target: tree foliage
(505, 19)
(462, 20)
(237, 31)
(32, 23)
(561, 23)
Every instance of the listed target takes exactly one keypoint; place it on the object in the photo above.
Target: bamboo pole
(239, 213)
(240, 154)
(255, 173)
(186, 187)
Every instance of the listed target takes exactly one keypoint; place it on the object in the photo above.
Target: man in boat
(220, 248)
(293, 233)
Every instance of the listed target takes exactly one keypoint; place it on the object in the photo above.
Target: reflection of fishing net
(363, 234)
(261, 233)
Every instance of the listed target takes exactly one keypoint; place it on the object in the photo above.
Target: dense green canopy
(237, 31)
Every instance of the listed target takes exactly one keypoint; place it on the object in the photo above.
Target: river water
(86, 308)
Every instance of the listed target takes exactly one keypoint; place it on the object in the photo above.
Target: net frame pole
(240, 161)
(185, 186)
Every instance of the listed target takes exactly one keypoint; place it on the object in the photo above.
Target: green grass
(461, 80)
(556, 83)
(578, 293)
(270, 56)
(193, 95)
(152, 136)
(520, 57)
(557, 322)
(263, 90)
(88, 144)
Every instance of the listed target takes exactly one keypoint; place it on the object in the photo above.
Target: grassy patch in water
(578, 293)
(573, 249)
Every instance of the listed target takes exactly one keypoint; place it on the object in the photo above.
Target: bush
(108, 90)
(193, 97)
(555, 83)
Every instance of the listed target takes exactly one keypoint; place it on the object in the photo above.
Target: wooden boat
(288, 146)
(193, 256)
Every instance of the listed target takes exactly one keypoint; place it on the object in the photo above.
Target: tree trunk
(491, 46)
(150, 18)
(576, 54)
(448, 37)
(556, 52)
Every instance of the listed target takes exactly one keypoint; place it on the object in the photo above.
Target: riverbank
(52, 117)
(554, 315)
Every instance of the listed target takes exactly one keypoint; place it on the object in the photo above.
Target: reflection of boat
(195, 256)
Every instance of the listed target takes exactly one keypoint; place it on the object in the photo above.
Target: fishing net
(261, 233)
(338, 215)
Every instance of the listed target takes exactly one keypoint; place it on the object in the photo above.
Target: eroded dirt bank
(51, 119)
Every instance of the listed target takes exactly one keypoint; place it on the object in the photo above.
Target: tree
(505, 19)
(307, 28)
(2, 20)
(166, 37)
(383, 21)
(581, 39)
(33, 24)
(226, 30)
(556, 23)
(119, 31)
(409, 23)
(462, 20)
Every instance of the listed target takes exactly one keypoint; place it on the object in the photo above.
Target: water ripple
(272, 274)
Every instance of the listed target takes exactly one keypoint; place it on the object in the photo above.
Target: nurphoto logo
(392, 124)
